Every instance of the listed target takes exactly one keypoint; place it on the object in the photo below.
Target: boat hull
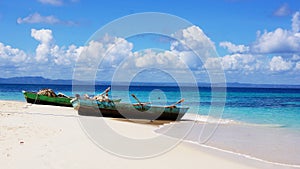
(34, 98)
(128, 111)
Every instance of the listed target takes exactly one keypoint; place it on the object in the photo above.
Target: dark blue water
(277, 107)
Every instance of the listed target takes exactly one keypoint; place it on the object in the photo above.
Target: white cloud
(193, 38)
(44, 36)
(278, 64)
(38, 18)
(47, 51)
(182, 54)
(178, 60)
(64, 56)
(236, 62)
(157, 59)
(91, 54)
(280, 40)
(117, 50)
(111, 53)
(295, 57)
(283, 10)
(52, 2)
(50, 59)
(256, 60)
(104, 56)
(213, 63)
(114, 51)
(192, 47)
(232, 48)
(9, 54)
(190, 59)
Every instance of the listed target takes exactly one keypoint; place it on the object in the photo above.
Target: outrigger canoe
(117, 109)
(58, 100)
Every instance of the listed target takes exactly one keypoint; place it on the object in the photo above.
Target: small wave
(266, 125)
(212, 120)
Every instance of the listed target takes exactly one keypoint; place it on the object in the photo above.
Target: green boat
(56, 100)
(117, 109)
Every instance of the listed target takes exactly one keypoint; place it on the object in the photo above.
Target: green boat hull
(34, 98)
(127, 110)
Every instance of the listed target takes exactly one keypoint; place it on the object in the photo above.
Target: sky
(256, 41)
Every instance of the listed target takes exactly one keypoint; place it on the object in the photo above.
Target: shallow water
(268, 144)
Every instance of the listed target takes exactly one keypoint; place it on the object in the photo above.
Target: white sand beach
(44, 137)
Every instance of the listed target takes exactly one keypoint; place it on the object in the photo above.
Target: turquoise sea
(267, 106)
(261, 123)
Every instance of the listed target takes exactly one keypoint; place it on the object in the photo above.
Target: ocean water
(274, 107)
(260, 123)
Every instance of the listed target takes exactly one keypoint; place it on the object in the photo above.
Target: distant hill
(33, 80)
(42, 80)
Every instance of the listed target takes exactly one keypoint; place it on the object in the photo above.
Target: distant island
(42, 80)
(33, 80)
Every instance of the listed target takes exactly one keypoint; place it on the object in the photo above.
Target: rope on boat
(35, 98)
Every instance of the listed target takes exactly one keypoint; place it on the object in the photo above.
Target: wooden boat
(117, 109)
(56, 100)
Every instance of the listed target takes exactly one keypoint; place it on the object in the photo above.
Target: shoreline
(248, 157)
(266, 144)
(40, 131)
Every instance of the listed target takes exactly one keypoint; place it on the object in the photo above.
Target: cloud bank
(280, 40)
(272, 54)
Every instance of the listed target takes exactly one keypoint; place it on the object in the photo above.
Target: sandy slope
(36, 136)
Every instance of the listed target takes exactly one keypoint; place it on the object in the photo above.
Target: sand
(41, 136)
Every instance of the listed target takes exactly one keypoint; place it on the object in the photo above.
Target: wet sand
(268, 144)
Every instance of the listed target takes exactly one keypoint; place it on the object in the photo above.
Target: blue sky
(257, 41)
